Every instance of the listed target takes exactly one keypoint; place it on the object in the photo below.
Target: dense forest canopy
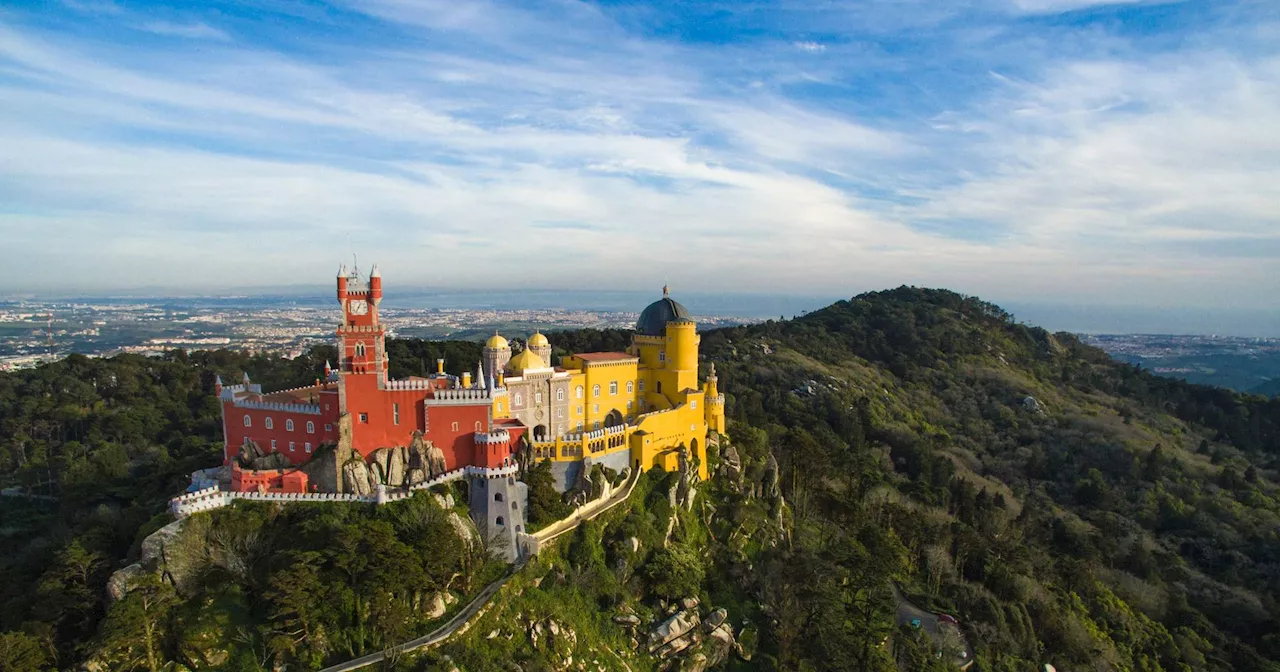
(1068, 508)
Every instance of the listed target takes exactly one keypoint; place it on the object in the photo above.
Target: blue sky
(1118, 153)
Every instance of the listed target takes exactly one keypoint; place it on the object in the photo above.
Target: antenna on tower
(355, 265)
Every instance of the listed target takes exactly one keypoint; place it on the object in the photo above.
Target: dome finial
(666, 291)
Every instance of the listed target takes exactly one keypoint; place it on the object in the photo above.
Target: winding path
(931, 624)
(477, 606)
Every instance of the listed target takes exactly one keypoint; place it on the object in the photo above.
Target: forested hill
(1068, 507)
(1065, 507)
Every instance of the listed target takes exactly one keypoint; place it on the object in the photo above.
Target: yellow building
(637, 408)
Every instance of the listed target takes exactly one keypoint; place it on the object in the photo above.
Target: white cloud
(811, 47)
(1110, 174)
(194, 31)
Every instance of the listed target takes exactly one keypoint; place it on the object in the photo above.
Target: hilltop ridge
(1064, 507)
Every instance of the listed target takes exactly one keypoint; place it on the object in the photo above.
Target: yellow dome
(537, 340)
(527, 359)
(495, 341)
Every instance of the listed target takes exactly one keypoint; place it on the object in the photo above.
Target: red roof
(603, 356)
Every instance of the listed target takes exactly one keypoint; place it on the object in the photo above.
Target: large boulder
(731, 465)
(434, 460)
(356, 477)
(322, 470)
(396, 466)
(272, 461)
(672, 629)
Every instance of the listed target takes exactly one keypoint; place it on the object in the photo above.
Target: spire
(480, 375)
(217, 381)
(666, 291)
(245, 377)
(375, 273)
(342, 270)
(327, 369)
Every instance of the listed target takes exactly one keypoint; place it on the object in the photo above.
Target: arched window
(268, 422)
(519, 399)
(359, 349)
(248, 421)
(631, 387)
(499, 521)
(642, 386)
(579, 391)
(595, 390)
(560, 394)
(288, 425)
(497, 496)
(662, 355)
(311, 427)
(477, 425)
(515, 506)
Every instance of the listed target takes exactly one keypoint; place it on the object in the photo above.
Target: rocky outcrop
(433, 458)
(322, 469)
(358, 479)
(670, 636)
(1032, 405)
(731, 467)
(554, 638)
(271, 461)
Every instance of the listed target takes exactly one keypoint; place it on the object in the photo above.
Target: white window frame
(269, 424)
(642, 386)
(519, 399)
(579, 391)
(613, 388)
(273, 444)
(560, 394)
(292, 446)
(595, 391)
(631, 387)
(537, 397)
(288, 425)
(248, 420)
(307, 446)
(395, 414)
(662, 355)
(311, 427)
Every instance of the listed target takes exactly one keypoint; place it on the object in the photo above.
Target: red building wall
(373, 421)
(236, 431)
(452, 429)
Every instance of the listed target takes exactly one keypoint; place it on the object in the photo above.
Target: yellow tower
(714, 401)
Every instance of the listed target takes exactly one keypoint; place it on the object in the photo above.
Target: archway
(540, 433)
(613, 419)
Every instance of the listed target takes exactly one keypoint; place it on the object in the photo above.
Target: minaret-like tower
(714, 402)
(541, 347)
(497, 352)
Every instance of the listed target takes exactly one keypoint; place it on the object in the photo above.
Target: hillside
(1270, 388)
(1065, 507)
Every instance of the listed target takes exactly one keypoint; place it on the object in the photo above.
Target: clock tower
(361, 338)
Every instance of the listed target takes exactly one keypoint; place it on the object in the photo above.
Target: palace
(638, 409)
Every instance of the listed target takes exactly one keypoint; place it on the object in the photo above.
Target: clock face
(358, 307)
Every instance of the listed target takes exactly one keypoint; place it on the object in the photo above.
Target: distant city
(36, 331)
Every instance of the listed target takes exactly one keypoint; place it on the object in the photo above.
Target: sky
(1048, 151)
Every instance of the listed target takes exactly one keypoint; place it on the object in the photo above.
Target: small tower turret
(342, 282)
(375, 285)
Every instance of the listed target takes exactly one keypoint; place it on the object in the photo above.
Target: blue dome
(653, 321)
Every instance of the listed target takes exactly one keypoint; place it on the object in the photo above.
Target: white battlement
(213, 498)
(307, 409)
(498, 436)
(397, 385)
(460, 395)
